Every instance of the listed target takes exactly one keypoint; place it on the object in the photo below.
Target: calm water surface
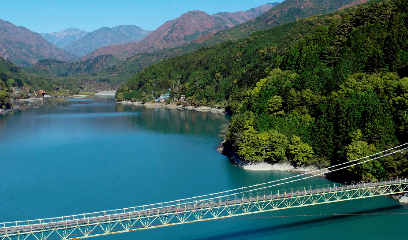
(102, 155)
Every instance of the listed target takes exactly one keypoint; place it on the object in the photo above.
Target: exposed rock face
(353, 3)
(236, 18)
(24, 47)
(184, 29)
(105, 37)
(65, 37)
(404, 199)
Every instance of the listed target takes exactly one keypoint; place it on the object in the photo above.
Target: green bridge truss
(139, 218)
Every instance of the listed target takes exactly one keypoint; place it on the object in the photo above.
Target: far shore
(175, 106)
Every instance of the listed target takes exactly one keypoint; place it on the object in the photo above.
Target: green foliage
(369, 170)
(227, 67)
(14, 76)
(319, 90)
(10, 82)
(266, 146)
(4, 99)
(362, 116)
(299, 151)
(285, 12)
(278, 143)
(335, 97)
(275, 105)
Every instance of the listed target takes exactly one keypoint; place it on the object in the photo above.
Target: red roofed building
(42, 92)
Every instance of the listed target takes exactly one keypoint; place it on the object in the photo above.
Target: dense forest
(336, 95)
(228, 67)
(321, 90)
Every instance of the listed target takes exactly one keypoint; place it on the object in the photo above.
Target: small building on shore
(163, 97)
(41, 93)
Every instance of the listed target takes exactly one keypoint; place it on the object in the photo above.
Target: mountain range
(65, 37)
(285, 12)
(117, 71)
(193, 30)
(24, 47)
(104, 37)
(181, 30)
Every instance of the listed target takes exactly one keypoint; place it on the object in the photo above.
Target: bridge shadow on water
(315, 222)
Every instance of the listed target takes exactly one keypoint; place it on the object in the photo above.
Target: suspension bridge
(231, 203)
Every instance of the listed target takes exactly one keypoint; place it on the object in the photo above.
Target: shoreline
(174, 106)
(13, 109)
(402, 198)
(261, 166)
(33, 103)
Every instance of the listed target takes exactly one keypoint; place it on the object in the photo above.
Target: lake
(99, 155)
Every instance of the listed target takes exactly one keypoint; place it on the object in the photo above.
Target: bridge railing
(152, 208)
(243, 192)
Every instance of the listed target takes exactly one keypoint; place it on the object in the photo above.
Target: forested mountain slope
(332, 89)
(13, 76)
(286, 11)
(238, 64)
(119, 71)
(63, 69)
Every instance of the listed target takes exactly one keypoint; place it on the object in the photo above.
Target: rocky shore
(262, 166)
(402, 198)
(6, 111)
(175, 106)
(17, 105)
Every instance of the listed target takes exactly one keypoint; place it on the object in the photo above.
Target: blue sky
(45, 16)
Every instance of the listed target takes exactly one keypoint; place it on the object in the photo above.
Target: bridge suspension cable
(198, 208)
(322, 172)
(307, 175)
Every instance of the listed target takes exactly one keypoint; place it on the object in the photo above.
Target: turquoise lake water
(102, 155)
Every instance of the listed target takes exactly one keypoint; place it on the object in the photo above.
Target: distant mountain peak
(186, 28)
(106, 36)
(64, 37)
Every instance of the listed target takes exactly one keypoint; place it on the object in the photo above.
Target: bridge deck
(190, 206)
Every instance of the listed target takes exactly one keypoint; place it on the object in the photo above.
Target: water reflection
(102, 155)
(175, 121)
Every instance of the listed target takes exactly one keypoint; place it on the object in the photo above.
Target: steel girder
(78, 227)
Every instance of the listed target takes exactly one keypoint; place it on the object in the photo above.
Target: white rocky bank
(275, 167)
(404, 198)
(262, 166)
